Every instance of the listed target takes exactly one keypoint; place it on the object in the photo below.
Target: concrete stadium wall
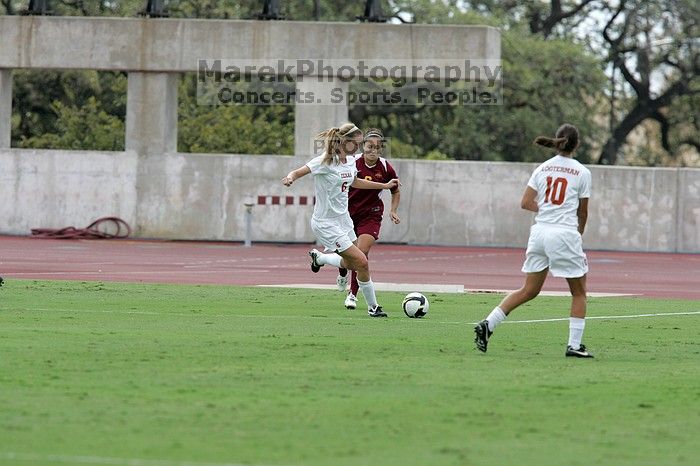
(163, 194)
(200, 196)
(155, 51)
(176, 45)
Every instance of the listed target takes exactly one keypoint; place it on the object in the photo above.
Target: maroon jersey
(367, 201)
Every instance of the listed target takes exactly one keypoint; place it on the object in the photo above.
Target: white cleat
(351, 301)
(342, 282)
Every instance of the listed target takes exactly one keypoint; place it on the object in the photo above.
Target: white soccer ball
(415, 305)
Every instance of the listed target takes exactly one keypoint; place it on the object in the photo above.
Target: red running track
(647, 274)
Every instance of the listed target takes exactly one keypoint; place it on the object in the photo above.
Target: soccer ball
(415, 305)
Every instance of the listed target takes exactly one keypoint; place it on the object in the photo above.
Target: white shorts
(559, 248)
(336, 234)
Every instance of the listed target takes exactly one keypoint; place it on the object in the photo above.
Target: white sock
(576, 327)
(367, 289)
(330, 259)
(496, 317)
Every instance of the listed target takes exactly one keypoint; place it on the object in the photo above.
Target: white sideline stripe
(591, 294)
(134, 272)
(379, 286)
(68, 459)
(635, 316)
(345, 316)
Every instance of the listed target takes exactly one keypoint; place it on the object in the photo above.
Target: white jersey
(331, 183)
(560, 182)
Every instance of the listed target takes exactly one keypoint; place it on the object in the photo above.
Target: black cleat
(482, 332)
(315, 266)
(581, 352)
(1, 281)
(376, 312)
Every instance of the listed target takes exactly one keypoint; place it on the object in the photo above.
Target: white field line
(100, 460)
(445, 288)
(634, 316)
(346, 315)
(379, 286)
(134, 272)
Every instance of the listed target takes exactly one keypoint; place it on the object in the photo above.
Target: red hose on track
(92, 231)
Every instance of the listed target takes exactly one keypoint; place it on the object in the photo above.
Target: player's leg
(319, 259)
(577, 320)
(577, 286)
(354, 259)
(531, 288)
(366, 227)
(364, 243)
(351, 298)
(347, 223)
(567, 259)
(535, 266)
(335, 235)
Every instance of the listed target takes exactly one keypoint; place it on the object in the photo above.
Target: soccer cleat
(2, 281)
(482, 335)
(342, 282)
(581, 352)
(351, 301)
(315, 266)
(376, 312)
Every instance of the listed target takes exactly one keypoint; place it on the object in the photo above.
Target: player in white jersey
(558, 191)
(334, 173)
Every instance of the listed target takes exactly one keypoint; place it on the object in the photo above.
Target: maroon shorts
(367, 225)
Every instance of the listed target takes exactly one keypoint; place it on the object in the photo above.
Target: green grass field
(155, 375)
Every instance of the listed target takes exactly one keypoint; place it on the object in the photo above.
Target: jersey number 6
(344, 187)
(556, 190)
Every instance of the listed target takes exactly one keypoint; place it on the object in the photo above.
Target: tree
(80, 127)
(547, 82)
(641, 47)
(240, 129)
(540, 17)
(41, 99)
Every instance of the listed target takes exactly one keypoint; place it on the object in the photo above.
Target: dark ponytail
(565, 141)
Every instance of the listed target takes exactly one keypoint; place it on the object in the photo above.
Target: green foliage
(442, 12)
(238, 129)
(400, 149)
(436, 155)
(34, 93)
(88, 126)
(60, 110)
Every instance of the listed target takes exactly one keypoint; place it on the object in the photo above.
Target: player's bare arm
(366, 184)
(395, 199)
(529, 201)
(295, 175)
(582, 214)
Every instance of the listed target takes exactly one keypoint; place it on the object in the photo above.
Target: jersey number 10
(556, 190)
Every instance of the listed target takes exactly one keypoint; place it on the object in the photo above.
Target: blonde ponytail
(333, 140)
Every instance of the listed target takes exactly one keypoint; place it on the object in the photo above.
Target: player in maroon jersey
(365, 205)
